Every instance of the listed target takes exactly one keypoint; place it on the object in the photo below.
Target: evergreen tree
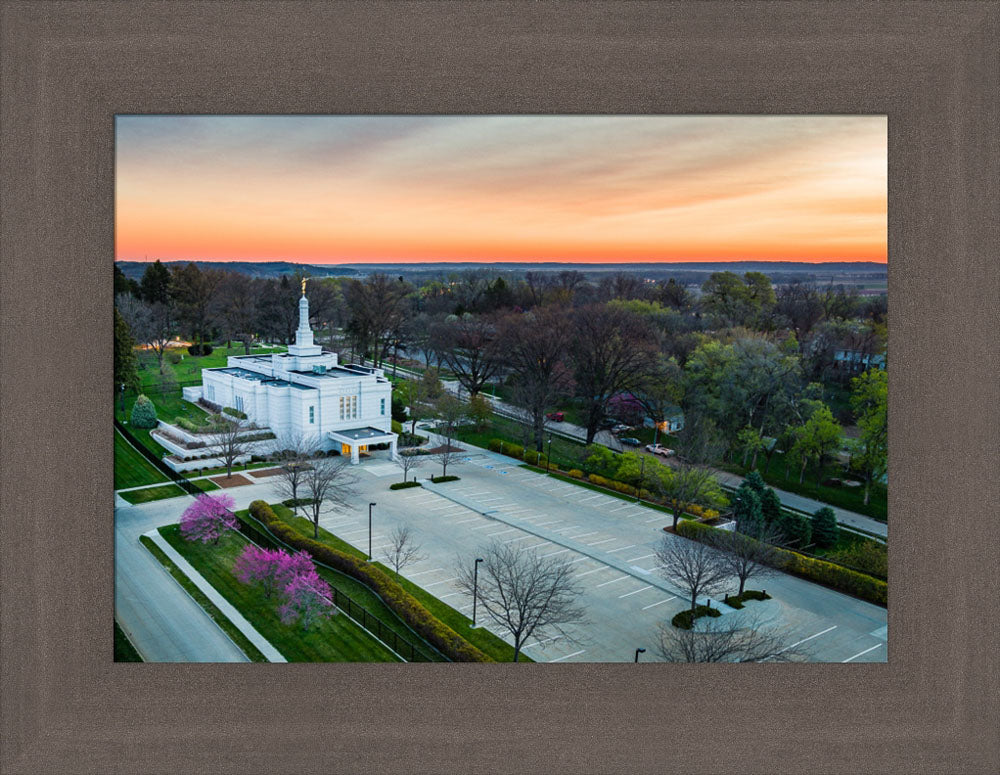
(126, 372)
(756, 483)
(770, 506)
(123, 284)
(747, 510)
(797, 530)
(155, 284)
(143, 413)
(824, 527)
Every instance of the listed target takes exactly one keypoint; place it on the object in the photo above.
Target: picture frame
(69, 68)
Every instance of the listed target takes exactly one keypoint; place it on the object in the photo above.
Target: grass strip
(334, 639)
(124, 650)
(234, 633)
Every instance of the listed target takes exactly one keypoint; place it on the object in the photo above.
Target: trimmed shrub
(843, 579)
(867, 556)
(685, 619)
(186, 424)
(576, 473)
(756, 482)
(396, 425)
(234, 412)
(200, 349)
(507, 448)
(439, 479)
(737, 601)
(425, 624)
(143, 413)
(293, 502)
(535, 458)
(174, 357)
(824, 527)
(403, 485)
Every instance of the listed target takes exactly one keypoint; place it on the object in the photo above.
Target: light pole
(637, 653)
(370, 506)
(123, 398)
(642, 477)
(548, 457)
(475, 588)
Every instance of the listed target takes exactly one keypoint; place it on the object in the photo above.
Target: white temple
(304, 393)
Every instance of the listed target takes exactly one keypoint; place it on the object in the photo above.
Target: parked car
(621, 427)
(632, 442)
(606, 424)
(659, 449)
(555, 416)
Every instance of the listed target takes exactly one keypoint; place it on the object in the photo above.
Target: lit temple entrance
(356, 441)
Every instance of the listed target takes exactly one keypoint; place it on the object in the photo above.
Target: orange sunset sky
(359, 189)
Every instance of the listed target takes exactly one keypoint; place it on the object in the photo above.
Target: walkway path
(263, 645)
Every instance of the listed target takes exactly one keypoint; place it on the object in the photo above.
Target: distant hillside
(690, 270)
(134, 269)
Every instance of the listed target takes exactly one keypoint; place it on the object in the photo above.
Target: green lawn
(188, 371)
(163, 491)
(124, 650)
(483, 639)
(335, 639)
(131, 468)
(237, 637)
(850, 498)
(566, 453)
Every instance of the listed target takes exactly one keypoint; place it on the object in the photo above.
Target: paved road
(161, 620)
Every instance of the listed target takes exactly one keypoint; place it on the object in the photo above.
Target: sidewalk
(258, 640)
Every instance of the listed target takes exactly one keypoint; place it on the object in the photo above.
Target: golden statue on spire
(303, 286)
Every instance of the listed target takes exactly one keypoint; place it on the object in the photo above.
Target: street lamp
(548, 457)
(637, 653)
(475, 588)
(370, 506)
(642, 477)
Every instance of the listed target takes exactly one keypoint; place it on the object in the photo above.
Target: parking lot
(611, 544)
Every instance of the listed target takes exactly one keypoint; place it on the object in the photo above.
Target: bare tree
(468, 346)
(728, 639)
(236, 307)
(693, 478)
(450, 412)
(293, 453)
(408, 461)
(150, 323)
(534, 345)
(697, 569)
(327, 480)
(611, 350)
(228, 442)
(748, 556)
(402, 549)
(523, 593)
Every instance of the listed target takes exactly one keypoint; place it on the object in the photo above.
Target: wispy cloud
(501, 187)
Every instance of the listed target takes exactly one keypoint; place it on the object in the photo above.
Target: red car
(555, 416)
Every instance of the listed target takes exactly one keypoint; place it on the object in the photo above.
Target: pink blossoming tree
(208, 518)
(257, 566)
(307, 599)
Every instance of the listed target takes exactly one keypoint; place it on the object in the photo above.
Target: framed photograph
(420, 308)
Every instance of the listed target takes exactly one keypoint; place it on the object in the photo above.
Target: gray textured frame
(68, 67)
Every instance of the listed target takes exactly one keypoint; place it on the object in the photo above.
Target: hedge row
(403, 485)
(425, 624)
(736, 601)
(685, 619)
(234, 412)
(843, 579)
(440, 479)
(622, 487)
(518, 452)
(294, 502)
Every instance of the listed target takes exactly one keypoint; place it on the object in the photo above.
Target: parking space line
(621, 507)
(552, 522)
(798, 642)
(443, 581)
(470, 519)
(501, 532)
(620, 578)
(595, 570)
(598, 543)
(620, 548)
(421, 573)
(491, 523)
(553, 554)
(512, 540)
(644, 557)
(661, 602)
(657, 519)
(579, 559)
(540, 642)
(583, 535)
(574, 654)
(863, 652)
(450, 594)
(589, 498)
(642, 589)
